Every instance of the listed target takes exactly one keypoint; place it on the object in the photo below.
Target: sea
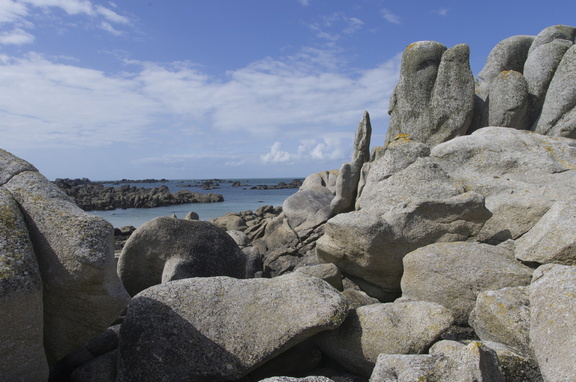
(236, 199)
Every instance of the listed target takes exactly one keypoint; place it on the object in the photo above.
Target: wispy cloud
(11, 11)
(333, 27)
(304, 3)
(16, 37)
(46, 103)
(335, 147)
(441, 11)
(17, 15)
(389, 16)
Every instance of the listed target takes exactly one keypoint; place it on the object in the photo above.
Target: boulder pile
(446, 254)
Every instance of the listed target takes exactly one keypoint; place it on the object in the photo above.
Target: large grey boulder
(466, 362)
(392, 328)
(515, 365)
(452, 274)
(508, 54)
(403, 367)
(165, 249)
(410, 208)
(539, 70)
(507, 102)
(400, 153)
(447, 361)
(11, 165)
(521, 174)
(552, 239)
(552, 327)
(311, 205)
(503, 316)
(553, 33)
(558, 117)
(433, 101)
(82, 294)
(21, 337)
(327, 272)
(220, 327)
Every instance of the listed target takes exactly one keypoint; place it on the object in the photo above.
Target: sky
(197, 89)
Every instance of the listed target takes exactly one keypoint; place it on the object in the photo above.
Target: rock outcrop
(434, 99)
(467, 228)
(58, 262)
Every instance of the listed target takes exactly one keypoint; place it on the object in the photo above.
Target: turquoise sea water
(236, 199)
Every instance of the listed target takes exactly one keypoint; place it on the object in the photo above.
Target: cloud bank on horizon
(211, 89)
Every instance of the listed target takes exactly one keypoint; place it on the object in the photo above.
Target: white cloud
(332, 28)
(390, 17)
(11, 11)
(72, 7)
(16, 37)
(17, 14)
(105, 25)
(304, 3)
(111, 16)
(441, 11)
(51, 104)
(328, 148)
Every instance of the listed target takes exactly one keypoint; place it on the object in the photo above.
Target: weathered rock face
(538, 96)
(503, 316)
(552, 239)
(473, 361)
(166, 249)
(447, 361)
(507, 103)
(434, 99)
(393, 328)
(558, 117)
(552, 329)
(198, 318)
(452, 274)
(539, 70)
(519, 173)
(81, 293)
(400, 210)
(21, 340)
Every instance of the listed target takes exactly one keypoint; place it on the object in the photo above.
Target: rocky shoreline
(94, 196)
(447, 254)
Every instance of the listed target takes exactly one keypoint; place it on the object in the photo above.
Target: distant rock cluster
(94, 196)
(447, 254)
(295, 183)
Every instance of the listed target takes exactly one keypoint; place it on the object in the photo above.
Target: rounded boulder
(166, 249)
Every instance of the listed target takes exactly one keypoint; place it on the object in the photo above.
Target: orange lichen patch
(403, 137)
(412, 45)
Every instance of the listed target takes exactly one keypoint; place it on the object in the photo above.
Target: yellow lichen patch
(412, 45)
(403, 137)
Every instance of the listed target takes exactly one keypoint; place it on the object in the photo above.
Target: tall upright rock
(349, 175)
(434, 99)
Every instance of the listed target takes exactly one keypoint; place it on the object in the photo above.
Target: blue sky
(220, 88)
